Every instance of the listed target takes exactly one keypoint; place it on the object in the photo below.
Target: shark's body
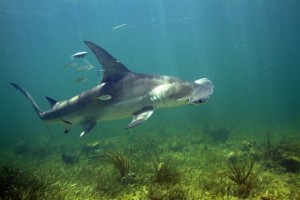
(121, 94)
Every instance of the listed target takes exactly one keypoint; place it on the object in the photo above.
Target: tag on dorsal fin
(141, 116)
(104, 97)
(51, 101)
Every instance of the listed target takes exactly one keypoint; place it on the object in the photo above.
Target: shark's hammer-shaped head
(202, 89)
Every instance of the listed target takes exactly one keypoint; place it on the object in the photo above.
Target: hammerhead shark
(121, 94)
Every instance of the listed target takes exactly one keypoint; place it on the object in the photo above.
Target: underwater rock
(218, 135)
(247, 146)
(291, 163)
(69, 158)
(40, 152)
(231, 157)
(129, 179)
(21, 148)
(249, 151)
(197, 140)
(177, 145)
(285, 153)
(90, 148)
(93, 149)
(165, 172)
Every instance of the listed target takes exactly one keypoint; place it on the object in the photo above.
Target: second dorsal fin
(51, 101)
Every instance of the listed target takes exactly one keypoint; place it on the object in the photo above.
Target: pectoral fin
(141, 116)
(87, 127)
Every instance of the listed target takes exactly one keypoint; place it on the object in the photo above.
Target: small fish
(104, 97)
(86, 67)
(80, 80)
(79, 54)
(119, 26)
(70, 64)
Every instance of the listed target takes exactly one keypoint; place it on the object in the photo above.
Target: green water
(248, 49)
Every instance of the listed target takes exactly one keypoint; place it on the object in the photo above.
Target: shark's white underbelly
(98, 112)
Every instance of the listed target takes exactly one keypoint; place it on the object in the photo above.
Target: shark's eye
(200, 101)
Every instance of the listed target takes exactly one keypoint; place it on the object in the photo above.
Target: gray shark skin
(121, 94)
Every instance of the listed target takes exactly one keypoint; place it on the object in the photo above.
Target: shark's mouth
(197, 102)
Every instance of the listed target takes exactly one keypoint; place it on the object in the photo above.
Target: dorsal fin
(51, 101)
(110, 65)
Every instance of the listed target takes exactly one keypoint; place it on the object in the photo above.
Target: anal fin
(141, 116)
(67, 125)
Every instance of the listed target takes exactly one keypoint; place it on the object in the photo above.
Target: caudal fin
(28, 96)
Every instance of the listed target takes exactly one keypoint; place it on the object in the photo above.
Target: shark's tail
(28, 96)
